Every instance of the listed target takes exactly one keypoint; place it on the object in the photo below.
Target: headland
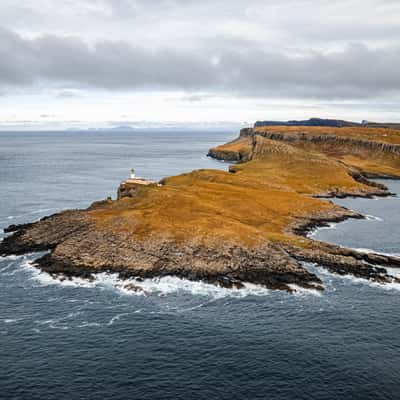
(248, 224)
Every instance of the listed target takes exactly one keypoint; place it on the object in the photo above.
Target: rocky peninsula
(248, 224)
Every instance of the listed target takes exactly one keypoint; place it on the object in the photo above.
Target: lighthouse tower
(129, 187)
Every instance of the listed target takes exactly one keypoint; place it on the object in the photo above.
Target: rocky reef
(248, 224)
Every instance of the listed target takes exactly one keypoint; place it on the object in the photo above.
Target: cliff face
(368, 142)
(373, 152)
(227, 228)
(233, 151)
(132, 187)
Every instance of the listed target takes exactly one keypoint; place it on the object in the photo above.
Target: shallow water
(180, 339)
(380, 232)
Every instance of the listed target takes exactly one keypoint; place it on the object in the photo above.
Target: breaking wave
(360, 281)
(165, 286)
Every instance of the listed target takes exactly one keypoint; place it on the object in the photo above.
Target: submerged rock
(134, 288)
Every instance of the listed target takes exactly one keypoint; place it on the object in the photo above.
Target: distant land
(335, 123)
(122, 126)
(221, 126)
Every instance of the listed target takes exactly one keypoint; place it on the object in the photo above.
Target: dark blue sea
(182, 340)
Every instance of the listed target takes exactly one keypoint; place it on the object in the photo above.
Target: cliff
(245, 225)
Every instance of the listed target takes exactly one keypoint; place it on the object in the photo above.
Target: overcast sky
(69, 62)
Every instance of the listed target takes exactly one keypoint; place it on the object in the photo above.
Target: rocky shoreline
(275, 267)
(227, 267)
(158, 231)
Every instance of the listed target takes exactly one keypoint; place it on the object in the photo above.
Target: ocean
(181, 340)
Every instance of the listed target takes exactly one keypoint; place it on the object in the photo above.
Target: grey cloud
(197, 97)
(68, 93)
(295, 22)
(70, 63)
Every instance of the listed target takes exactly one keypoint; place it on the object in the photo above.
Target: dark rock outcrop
(230, 156)
(337, 123)
(324, 122)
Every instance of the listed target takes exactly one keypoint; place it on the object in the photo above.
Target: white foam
(11, 320)
(38, 211)
(12, 273)
(53, 323)
(334, 225)
(385, 286)
(87, 324)
(4, 269)
(388, 198)
(164, 286)
(169, 285)
(330, 226)
(63, 328)
(12, 268)
(301, 291)
(119, 316)
(45, 279)
(393, 271)
(47, 321)
(116, 318)
(11, 258)
(364, 250)
(59, 323)
(373, 218)
(368, 251)
(361, 281)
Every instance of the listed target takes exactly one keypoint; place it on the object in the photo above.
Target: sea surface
(181, 340)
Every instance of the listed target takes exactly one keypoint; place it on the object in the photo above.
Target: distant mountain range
(337, 123)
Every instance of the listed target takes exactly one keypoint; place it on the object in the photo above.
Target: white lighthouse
(129, 187)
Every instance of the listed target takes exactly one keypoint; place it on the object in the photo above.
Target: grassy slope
(259, 201)
(371, 161)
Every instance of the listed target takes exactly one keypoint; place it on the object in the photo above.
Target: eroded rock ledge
(227, 228)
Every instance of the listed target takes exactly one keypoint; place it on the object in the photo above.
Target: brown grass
(385, 135)
(254, 203)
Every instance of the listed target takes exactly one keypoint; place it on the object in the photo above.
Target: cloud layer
(237, 68)
(199, 60)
